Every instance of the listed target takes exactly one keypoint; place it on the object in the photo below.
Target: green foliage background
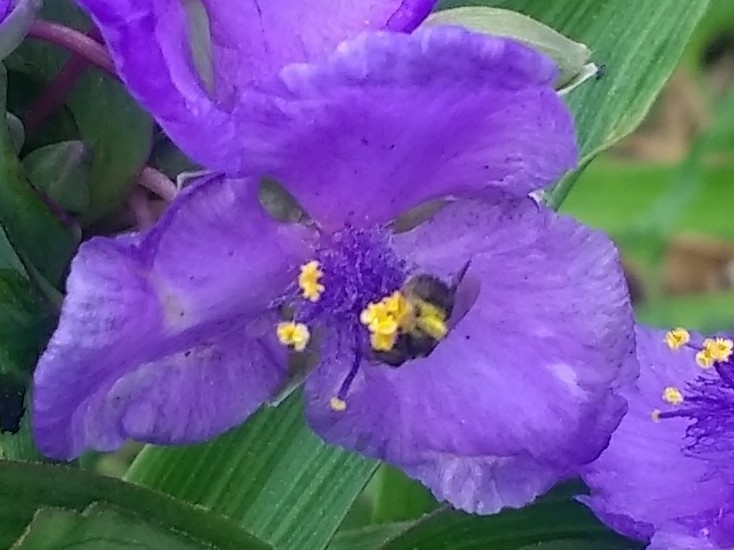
(271, 482)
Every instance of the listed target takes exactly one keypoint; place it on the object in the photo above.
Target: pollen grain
(308, 281)
(677, 338)
(718, 349)
(431, 320)
(672, 395)
(293, 335)
(337, 404)
(384, 319)
(704, 360)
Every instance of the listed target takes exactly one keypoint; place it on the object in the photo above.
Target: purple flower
(667, 476)
(512, 359)
(197, 66)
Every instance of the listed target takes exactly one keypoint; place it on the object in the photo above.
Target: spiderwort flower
(193, 64)
(178, 334)
(667, 476)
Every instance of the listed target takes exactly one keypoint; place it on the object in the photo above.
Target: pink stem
(140, 208)
(75, 42)
(54, 95)
(158, 183)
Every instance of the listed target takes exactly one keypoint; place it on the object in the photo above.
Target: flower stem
(560, 191)
(158, 183)
(53, 96)
(55, 93)
(141, 211)
(75, 42)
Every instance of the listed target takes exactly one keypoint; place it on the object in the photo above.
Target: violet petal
(166, 336)
(523, 391)
(189, 63)
(646, 481)
(391, 120)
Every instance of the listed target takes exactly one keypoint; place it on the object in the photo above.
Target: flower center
(708, 401)
(358, 290)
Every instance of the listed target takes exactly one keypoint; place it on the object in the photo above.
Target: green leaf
(706, 313)
(16, 24)
(99, 527)
(555, 518)
(272, 475)
(570, 56)
(26, 488)
(117, 131)
(367, 538)
(17, 132)
(20, 445)
(35, 230)
(63, 171)
(639, 43)
(396, 497)
(25, 325)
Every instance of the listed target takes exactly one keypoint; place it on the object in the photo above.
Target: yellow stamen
(294, 335)
(384, 319)
(308, 281)
(337, 405)
(383, 342)
(398, 307)
(677, 338)
(672, 395)
(655, 415)
(704, 360)
(378, 319)
(718, 349)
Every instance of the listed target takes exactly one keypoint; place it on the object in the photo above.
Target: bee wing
(466, 290)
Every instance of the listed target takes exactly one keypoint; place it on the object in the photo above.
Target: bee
(428, 295)
(425, 293)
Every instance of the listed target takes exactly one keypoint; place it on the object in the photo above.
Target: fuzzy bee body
(422, 292)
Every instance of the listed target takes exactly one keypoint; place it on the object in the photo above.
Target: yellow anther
(718, 349)
(672, 395)
(308, 280)
(378, 319)
(382, 325)
(704, 360)
(295, 335)
(677, 338)
(655, 415)
(337, 404)
(383, 342)
(397, 305)
(369, 313)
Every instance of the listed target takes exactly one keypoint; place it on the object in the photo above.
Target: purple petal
(645, 481)
(166, 338)
(392, 120)
(189, 63)
(523, 391)
(679, 539)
